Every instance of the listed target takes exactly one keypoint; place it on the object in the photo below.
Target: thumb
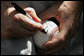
(32, 13)
(60, 38)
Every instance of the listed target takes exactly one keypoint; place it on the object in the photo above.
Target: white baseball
(41, 38)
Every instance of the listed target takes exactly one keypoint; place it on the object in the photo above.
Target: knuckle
(9, 10)
(29, 9)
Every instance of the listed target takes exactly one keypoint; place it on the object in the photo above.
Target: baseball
(51, 31)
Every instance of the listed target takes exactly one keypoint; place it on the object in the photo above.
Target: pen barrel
(18, 8)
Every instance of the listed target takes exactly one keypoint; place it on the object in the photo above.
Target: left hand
(68, 16)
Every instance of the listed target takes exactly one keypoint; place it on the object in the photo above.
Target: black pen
(20, 10)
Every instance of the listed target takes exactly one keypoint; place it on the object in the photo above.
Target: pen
(20, 10)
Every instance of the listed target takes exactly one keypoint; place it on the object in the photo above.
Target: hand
(15, 24)
(67, 13)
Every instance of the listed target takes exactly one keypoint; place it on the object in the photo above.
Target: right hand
(67, 14)
(15, 24)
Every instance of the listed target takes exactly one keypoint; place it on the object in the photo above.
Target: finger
(32, 13)
(23, 19)
(11, 13)
(52, 50)
(60, 38)
(18, 31)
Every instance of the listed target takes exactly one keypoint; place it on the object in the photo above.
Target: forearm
(71, 6)
(73, 9)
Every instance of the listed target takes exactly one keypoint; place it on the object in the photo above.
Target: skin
(15, 24)
(67, 13)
